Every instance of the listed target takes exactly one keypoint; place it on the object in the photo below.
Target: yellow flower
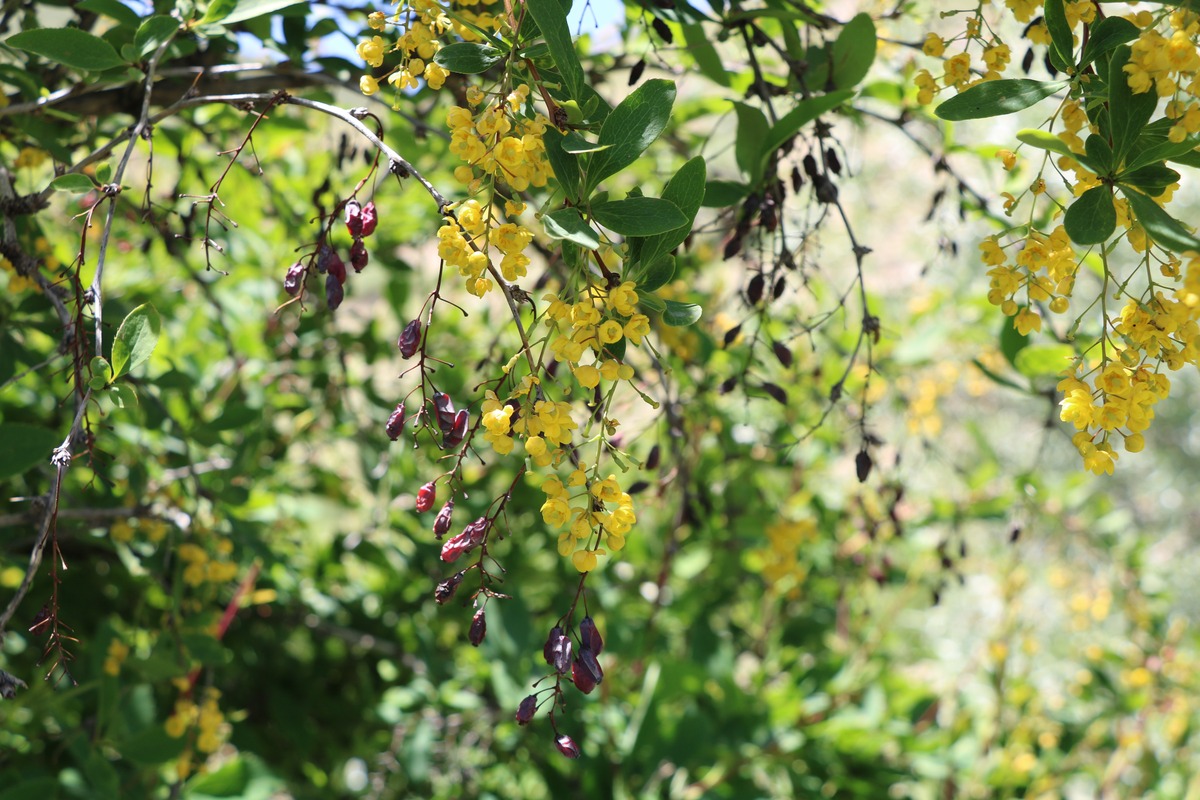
(368, 85)
(587, 375)
(371, 51)
(934, 46)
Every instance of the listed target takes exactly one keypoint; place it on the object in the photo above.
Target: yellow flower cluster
(582, 326)
(500, 140)
(545, 426)
(782, 568)
(1045, 269)
(201, 568)
(16, 283)
(605, 511)
(118, 651)
(423, 21)
(466, 237)
(207, 717)
(124, 530)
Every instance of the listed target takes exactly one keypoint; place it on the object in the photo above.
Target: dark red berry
(566, 745)
(354, 220)
(527, 709)
(337, 268)
(862, 465)
(458, 430)
(369, 218)
(324, 256)
(410, 340)
(425, 496)
(445, 411)
(591, 665)
(446, 589)
(442, 523)
(557, 650)
(358, 255)
(582, 677)
(478, 628)
(291, 281)
(333, 291)
(471, 537)
(395, 423)
(589, 636)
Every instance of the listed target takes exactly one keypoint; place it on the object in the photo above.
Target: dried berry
(458, 430)
(471, 537)
(732, 334)
(662, 29)
(442, 523)
(557, 650)
(369, 218)
(754, 290)
(425, 496)
(333, 292)
(395, 423)
(446, 589)
(587, 659)
(324, 256)
(291, 281)
(589, 636)
(478, 628)
(582, 677)
(810, 167)
(358, 255)
(635, 74)
(354, 220)
(527, 709)
(862, 465)
(337, 268)
(782, 353)
(409, 341)
(652, 462)
(445, 411)
(566, 745)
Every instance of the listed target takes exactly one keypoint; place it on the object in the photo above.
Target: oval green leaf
(1092, 218)
(70, 47)
(631, 128)
(135, 339)
(1044, 360)
(1163, 229)
(680, 315)
(467, 58)
(72, 182)
(639, 216)
(567, 224)
(994, 98)
(153, 32)
(1062, 43)
(854, 51)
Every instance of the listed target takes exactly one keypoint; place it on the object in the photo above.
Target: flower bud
(589, 636)
(527, 709)
(333, 292)
(369, 218)
(395, 423)
(410, 340)
(358, 255)
(425, 496)
(354, 220)
(446, 589)
(291, 281)
(478, 628)
(442, 523)
(566, 745)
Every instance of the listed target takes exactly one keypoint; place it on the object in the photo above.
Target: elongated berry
(587, 659)
(358, 255)
(478, 628)
(354, 220)
(442, 523)
(557, 650)
(446, 589)
(324, 255)
(337, 268)
(445, 411)
(527, 709)
(291, 281)
(582, 677)
(369, 218)
(395, 423)
(458, 430)
(425, 496)
(471, 537)
(589, 636)
(410, 340)
(566, 745)
(333, 291)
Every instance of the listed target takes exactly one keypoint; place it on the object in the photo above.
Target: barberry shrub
(338, 379)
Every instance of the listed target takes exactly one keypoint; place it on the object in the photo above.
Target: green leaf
(564, 164)
(467, 58)
(567, 224)
(1128, 113)
(1099, 153)
(651, 301)
(1106, 35)
(25, 446)
(72, 182)
(994, 98)
(1092, 218)
(152, 747)
(630, 128)
(854, 51)
(1044, 140)
(1165, 150)
(230, 780)
(705, 55)
(70, 47)
(658, 275)
(135, 339)
(1043, 360)
(32, 789)
(1163, 229)
(153, 32)
(686, 190)
(111, 8)
(1062, 43)
(573, 143)
(217, 11)
(204, 648)
(249, 9)
(750, 145)
(639, 216)
(1152, 179)
(719, 194)
(1012, 341)
(551, 19)
(123, 395)
(680, 315)
(804, 112)
(100, 368)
